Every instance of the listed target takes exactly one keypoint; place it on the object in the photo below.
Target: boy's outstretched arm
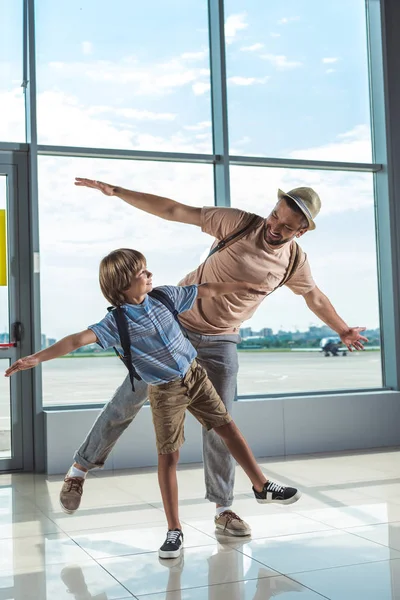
(155, 205)
(64, 346)
(208, 290)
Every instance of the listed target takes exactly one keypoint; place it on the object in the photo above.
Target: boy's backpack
(123, 332)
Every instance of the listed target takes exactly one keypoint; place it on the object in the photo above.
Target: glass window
(282, 344)
(298, 79)
(12, 110)
(77, 228)
(134, 75)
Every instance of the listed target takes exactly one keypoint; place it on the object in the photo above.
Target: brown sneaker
(231, 523)
(71, 494)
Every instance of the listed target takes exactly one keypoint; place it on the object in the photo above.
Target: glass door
(10, 329)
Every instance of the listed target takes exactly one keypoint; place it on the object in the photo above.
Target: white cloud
(243, 81)
(331, 71)
(195, 55)
(331, 60)
(279, 61)
(286, 20)
(12, 107)
(131, 113)
(87, 48)
(233, 24)
(275, 35)
(199, 126)
(200, 88)
(252, 48)
(143, 79)
(354, 145)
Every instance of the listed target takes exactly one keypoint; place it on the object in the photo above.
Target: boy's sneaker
(173, 544)
(230, 522)
(71, 494)
(278, 494)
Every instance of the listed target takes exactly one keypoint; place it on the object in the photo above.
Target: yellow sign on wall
(3, 248)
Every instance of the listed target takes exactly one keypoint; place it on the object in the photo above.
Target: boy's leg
(115, 417)
(169, 487)
(168, 403)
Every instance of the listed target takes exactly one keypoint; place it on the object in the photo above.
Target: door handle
(17, 331)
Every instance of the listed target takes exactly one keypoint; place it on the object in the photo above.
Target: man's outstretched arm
(155, 205)
(322, 307)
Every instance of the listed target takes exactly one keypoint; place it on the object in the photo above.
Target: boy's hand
(28, 362)
(106, 188)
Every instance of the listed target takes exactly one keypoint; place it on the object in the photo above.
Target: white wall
(284, 426)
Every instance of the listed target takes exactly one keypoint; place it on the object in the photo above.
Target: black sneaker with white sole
(173, 544)
(278, 494)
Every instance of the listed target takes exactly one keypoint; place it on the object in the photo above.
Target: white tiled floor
(340, 541)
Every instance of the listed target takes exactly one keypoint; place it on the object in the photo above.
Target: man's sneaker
(231, 523)
(278, 494)
(173, 544)
(71, 494)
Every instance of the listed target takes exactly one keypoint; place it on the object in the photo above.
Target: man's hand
(106, 188)
(155, 205)
(352, 338)
(28, 362)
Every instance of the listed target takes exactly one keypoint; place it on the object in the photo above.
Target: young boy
(166, 360)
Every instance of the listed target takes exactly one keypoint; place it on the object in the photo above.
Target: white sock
(74, 472)
(222, 509)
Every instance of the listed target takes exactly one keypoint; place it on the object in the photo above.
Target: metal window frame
(387, 183)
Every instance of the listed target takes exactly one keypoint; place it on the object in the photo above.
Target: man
(264, 251)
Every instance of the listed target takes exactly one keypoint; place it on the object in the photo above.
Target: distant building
(265, 332)
(245, 332)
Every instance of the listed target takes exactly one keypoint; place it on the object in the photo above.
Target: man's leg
(218, 355)
(115, 417)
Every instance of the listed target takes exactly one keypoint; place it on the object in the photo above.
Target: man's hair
(116, 272)
(296, 208)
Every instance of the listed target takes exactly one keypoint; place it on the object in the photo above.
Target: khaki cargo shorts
(169, 402)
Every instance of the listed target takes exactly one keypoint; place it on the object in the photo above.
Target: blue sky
(136, 75)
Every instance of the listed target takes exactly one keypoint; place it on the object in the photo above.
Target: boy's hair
(116, 272)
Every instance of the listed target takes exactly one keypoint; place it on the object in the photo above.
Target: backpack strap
(163, 297)
(294, 262)
(236, 235)
(123, 333)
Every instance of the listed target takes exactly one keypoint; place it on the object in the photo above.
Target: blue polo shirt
(160, 352)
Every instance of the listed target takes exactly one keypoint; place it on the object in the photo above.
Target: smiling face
(141, 284)
(283, 225)
(124, 277)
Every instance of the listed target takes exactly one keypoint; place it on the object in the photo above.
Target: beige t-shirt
(248, 259)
